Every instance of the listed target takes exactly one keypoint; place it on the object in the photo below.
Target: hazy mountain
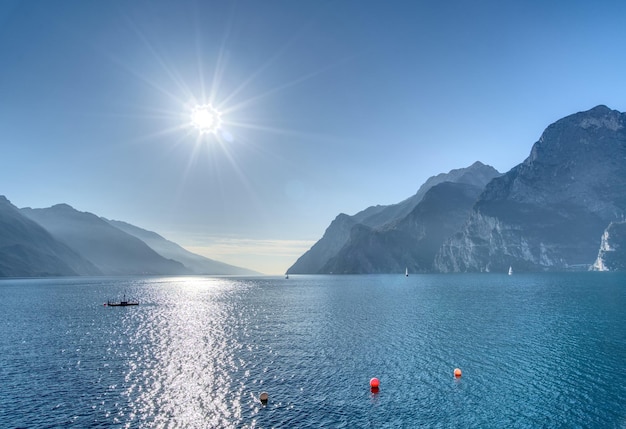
(477, 174)
(111, 250)
(170, 250)
(549, 212)
(28, 250)
(338, 234)
(412, 241)
(612, 254)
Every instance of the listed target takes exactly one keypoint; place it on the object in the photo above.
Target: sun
(206, 119)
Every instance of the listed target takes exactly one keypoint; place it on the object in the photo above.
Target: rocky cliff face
(548, 212)
(334, 238)
(411, 242)
(612, 254)
(373, 220)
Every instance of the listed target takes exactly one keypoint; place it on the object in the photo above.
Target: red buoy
(374, 383)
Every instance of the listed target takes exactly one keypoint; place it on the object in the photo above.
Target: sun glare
(206, 119)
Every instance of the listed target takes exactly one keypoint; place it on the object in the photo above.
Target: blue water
(541, 350)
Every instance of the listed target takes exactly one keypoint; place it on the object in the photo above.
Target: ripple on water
(536, 351)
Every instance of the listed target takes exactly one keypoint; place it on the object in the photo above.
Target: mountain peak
(601, 108)
(549, 211)
(595, 131)
(602, 117)
(476, 164)
(62, 207)
(341, 232)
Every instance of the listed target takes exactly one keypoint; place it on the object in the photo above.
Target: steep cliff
(612, 254)
(548, 212)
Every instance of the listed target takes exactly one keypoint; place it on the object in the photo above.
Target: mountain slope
(411, 242)
(28, 250)
(111, 250)
(170, 250)
(548, 212)
(477, 174)
(338, 233)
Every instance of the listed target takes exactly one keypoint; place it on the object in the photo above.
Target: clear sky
(327, 106)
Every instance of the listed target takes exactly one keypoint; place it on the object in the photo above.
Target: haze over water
(536, 350)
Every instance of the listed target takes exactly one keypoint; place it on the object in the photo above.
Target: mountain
(549, 212)
(477, 174)
(111, 250)
(412, 241)
(339, 233)
(612, 254)
(28, 250)
(195, 263)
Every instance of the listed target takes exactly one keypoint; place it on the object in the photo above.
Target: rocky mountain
(195, 263)
(549, 212)
(28, 250)
(411, 242)
(350, 230)
(612, 254)
(111, 250)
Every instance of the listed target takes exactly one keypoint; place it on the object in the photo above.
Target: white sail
(510, 270)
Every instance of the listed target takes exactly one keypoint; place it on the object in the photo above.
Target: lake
(535, 350)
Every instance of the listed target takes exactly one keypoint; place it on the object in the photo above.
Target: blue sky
(328, 106)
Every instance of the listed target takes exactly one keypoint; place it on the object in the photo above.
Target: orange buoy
(374, 383)
(457, 372)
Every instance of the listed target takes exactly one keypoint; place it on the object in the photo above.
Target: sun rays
(208, 110)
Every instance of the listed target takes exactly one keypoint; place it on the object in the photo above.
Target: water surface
(541, 350)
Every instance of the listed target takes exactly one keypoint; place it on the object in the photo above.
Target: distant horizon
(241, 129)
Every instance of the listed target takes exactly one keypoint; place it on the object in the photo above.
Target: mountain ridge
(113, 251)
(547, 213)
(411, 242)
(196, 263)
(338, 232)
(62, 241)
(29, 250)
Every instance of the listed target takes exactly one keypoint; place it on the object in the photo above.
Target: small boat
(122, 303)
(406, 272)
(510, 270)
(287, 275)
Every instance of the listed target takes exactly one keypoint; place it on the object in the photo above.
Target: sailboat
(406, 272)
(510, 270)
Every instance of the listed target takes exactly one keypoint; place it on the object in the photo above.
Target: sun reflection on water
(182, 355)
